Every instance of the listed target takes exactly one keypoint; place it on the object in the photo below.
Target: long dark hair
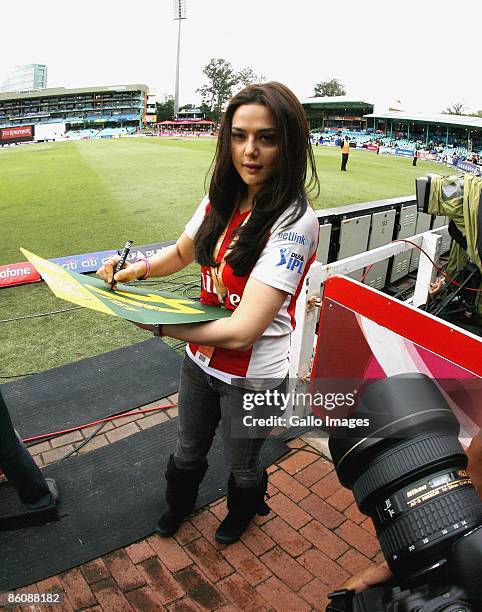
(288, 184)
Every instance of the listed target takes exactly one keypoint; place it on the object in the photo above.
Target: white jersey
(283, 264)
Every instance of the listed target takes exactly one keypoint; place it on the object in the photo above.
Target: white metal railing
(307, 308)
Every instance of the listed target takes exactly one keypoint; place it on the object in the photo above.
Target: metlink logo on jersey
(292, 237)
(294, 261)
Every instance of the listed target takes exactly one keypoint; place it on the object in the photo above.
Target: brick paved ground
(311, 542)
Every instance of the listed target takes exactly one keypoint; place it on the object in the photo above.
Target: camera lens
(408, 471)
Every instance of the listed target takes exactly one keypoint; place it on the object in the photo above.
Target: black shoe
(49, 500)
(243, 505)
(41, 512)
(169, 522)
(181, 495)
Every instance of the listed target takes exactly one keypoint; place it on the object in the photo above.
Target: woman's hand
(128, 273)
(369, 577)
(474, 467)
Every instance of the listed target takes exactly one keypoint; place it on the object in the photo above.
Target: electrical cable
(442, 272)
(20, 375)
(56, 434)
(166, 281)
(41, 314)
(99, 428)
(366, 272)
(82, 444)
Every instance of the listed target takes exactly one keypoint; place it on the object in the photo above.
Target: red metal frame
(454, 344)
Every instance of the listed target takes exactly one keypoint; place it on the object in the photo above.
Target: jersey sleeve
(289, 250)
(194, 223)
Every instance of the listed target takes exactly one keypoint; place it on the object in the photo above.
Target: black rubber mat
(109, 498)
(80, 392)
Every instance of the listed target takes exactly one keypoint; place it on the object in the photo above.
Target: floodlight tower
(179, 7)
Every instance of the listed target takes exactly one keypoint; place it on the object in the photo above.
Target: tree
(330, 88)
(165, 110)
(204, 108)
(221, 79)
(248, 76)
(455, 109)
(476, 114)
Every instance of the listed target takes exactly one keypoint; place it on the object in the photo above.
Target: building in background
(95, 108)
(440, 128)
(191, 114)
(26, 78)
(151, 108)
(336, 113)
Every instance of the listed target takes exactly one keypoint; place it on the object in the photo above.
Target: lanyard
(217, 272)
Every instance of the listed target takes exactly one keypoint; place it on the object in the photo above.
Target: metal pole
(179, 7)
(176, 92)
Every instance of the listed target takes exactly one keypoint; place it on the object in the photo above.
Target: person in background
(345, 152)
(34, 490)
(255, 237)
(415, 156)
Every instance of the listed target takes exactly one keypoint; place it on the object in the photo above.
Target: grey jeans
(204, 401)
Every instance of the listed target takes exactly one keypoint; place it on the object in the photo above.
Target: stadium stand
(85, 111)
(432, 147)
(337, 113)
(446, 135)
(441, 134)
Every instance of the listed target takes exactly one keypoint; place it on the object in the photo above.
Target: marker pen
(122, 260)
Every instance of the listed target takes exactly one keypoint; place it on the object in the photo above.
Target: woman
(255, 236)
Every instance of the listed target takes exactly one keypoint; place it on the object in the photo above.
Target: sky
(424, 53)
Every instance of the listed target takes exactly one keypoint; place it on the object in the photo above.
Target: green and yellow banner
(131, 303)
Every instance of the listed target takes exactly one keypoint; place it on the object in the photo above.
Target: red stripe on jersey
(226, 360)
(234, 362)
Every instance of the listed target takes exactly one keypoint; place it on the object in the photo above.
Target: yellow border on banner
(171, 305)
(65, 286)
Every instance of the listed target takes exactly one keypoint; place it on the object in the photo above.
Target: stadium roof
(63, 91)
(445, 119)
(345, 101)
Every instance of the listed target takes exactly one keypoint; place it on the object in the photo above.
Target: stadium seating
(108, 132)
(390, 141)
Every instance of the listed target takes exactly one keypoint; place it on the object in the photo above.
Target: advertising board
(20, 133)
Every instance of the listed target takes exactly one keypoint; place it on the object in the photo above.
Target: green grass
(368, 177)
(76, 197)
